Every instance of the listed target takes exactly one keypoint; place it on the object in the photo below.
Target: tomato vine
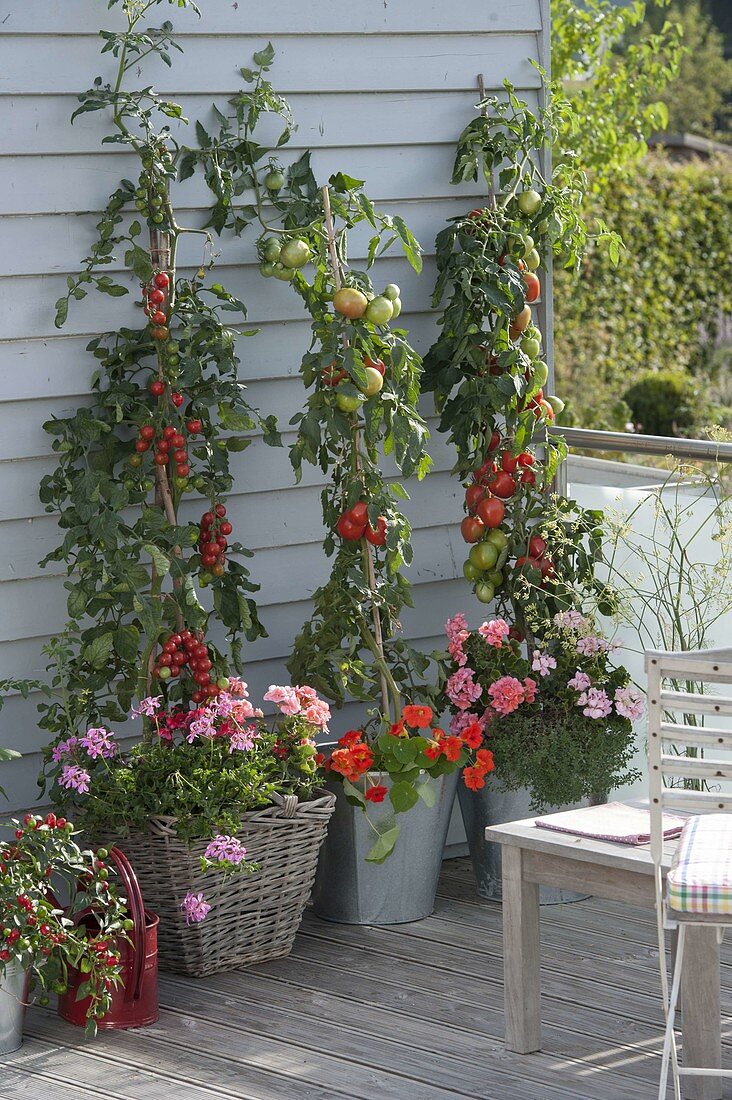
(167, 413)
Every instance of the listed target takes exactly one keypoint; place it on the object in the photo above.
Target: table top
(605, 853)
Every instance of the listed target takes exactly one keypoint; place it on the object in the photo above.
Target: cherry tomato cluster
(152, 189)
(169, 447)
(156, 301)
(213, 540)
(536, 558)
(181, 650)
(354, 525)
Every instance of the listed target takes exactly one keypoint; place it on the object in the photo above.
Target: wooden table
(534, 856)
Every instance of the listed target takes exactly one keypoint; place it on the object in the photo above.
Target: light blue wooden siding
(381, 90)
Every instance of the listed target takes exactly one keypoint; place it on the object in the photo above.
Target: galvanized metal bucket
(349, 890)
(493, 805)
(13, 999)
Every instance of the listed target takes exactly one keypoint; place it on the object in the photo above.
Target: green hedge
(661, 310)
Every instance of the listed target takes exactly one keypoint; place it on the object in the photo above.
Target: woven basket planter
(255, 917)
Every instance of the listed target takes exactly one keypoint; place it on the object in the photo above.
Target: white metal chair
(699, 886)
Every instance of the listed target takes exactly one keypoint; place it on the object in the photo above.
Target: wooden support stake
(369, 551)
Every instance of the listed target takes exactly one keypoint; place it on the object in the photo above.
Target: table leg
(522, 991)
(700, 1010)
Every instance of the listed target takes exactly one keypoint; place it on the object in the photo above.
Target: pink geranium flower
(591, 644)
(460, 722)
(194, 908)
(457, 634)
(74, 778)
(542, 663)
(317, 713)
(530, 689)
(64, 748)
(595, 703)
(146, 707)
(579, 682)
(285, 698)
(507, 694)
(494, 632)
(243, 739)
(225, 849)
(629, 703)
(98, 742)
(462, 691)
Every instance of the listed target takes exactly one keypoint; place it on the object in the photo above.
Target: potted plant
(219, 811)
(42, 942)
(559, 722)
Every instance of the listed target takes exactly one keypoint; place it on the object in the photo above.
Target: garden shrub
(665, 307)
(662, 403)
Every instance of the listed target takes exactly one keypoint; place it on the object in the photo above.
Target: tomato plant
(167, 413)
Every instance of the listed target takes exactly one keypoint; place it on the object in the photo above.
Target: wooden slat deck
(412, 1012)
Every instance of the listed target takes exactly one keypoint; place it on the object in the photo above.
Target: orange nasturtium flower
(417, 716)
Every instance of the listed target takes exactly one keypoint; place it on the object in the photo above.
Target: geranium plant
(407, 754)
(39, 862)
(560, 721)
(167, 413)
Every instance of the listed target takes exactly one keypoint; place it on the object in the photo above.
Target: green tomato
(266, 269)
(295, 253)
(532, 260)
(374, 383)
(379, 310)
(271, 249)
(483, 555)
(531, 347)
(470, 571)
(495, 576)
(529, 202)
(223, 682)
(528, 243)
(541, 374)
(557, 404)
(497, 537)
(485, 591)
(348, 403)
(284, 274)
(396, 304)
(164, 673)
(392, 292)
(274, 180)
(205, 578)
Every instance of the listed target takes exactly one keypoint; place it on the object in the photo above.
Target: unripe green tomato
(102, 853)
(396, 305)
(295, 253)
(379, 311)
(164, 673)
(557, 404)
(392, 292)
(531, 347)
(266, 269)
(348, 403)
(205, 578)
(141, 205)
(157, 219)
(223, 682)
(274, 180)
(532, 260)
(128, 925)
(284, 274)
(529, 202)
(495, 577)
(497, 537)
(485, 591)
(135, 460)
(470, 571)
(374, 382)
(541, 374)
(542, 228)
(271, 249)
(483, 555)
(200, 483)
(528, 245)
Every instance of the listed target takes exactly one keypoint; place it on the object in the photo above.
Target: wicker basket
(255, 916)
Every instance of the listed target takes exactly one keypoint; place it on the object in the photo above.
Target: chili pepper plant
(168, 413)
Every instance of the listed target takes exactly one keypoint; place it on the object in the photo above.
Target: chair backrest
(678, 709)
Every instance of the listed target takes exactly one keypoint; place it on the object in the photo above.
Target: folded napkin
(614, 821)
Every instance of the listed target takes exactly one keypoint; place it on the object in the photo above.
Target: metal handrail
(628, 443)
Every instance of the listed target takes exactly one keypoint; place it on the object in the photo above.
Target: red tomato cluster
(184, 649)
(156, 297)
(541, 408)
(354, 525)
(212, 540)
(536, 558)
(169, 445)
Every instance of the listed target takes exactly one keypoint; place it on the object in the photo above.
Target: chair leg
(670, 1002)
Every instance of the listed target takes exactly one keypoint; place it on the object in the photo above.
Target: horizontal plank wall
(380, 88)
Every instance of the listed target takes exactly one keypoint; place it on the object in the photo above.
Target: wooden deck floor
(405, 1013)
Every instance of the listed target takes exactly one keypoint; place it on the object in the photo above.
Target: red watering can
(135, 1000)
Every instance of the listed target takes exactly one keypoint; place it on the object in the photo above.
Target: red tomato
(533, 563)
(491, 511)
(177, 399)
(495, 442)
(503, 485)
(158, 317)
(473, 496)
(194, 426)
(528, 477)
(508, 462)
(358, 514)
(533, 286)
(376, 364)
(162, 280)
(156, 297)
(472, 528)
(526, 459)
(547, 567)
(520, 323)
(537, 546)
(349, 530)
(157, 388)
(376, 537)
(331, 376)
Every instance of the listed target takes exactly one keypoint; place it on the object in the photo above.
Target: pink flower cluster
(508, 693)
(194, 908)
(542, 663)
(300, 702)
(457, 635)
(465, 718)
(595, 703)
(462, 690)
(225, 849)
(98, 742)
(629, 703)
(494, 632)
(75, 778)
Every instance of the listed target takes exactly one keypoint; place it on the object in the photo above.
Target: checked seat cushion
(700, 879)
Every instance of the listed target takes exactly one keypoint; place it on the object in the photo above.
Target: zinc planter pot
(493, 805)
(13, 1000)
(254, 917)
(349, 890)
